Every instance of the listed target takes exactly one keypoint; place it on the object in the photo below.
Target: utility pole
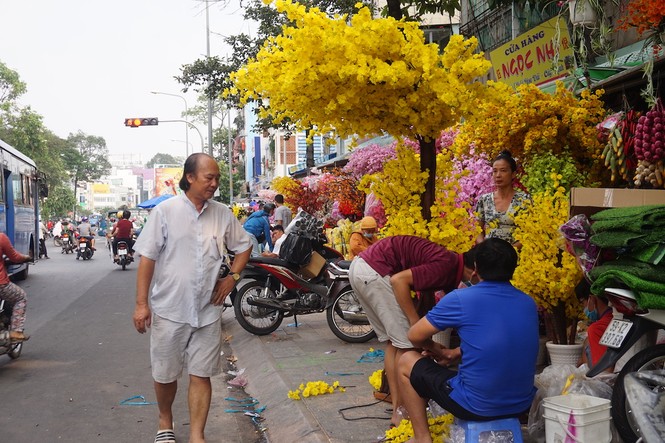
(209, 99)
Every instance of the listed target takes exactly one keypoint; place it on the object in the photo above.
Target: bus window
(17, 186)
(27, 190)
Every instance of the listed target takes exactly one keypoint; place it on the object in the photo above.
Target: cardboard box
(588, 201)
(313, 268)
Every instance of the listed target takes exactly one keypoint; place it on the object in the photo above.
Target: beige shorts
(377, 298)
(172, 345)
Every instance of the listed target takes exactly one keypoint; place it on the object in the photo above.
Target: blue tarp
(151, 203)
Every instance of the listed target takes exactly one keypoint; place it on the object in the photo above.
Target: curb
(285, 420)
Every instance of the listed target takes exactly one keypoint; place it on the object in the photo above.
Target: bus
(21, 185)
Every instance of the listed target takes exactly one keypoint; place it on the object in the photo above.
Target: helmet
(84, 219)
(119, 214)
(368, 222)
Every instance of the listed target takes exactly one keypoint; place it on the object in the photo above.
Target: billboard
(166, 181)
(538, 56)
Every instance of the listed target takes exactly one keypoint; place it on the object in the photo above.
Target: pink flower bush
(369, 160)
(474, 171)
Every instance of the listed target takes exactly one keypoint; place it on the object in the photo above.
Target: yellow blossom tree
(399, 185)
(546, 271)
(363, 76)
(529, 122)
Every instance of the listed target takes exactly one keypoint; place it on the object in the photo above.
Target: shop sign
(540, 55)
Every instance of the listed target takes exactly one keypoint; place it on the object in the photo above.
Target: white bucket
(578, 418)
(443, 337)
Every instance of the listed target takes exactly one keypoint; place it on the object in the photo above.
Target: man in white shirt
(182, 247)
(278, 238)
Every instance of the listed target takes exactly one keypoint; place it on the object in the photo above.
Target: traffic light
(138, 122)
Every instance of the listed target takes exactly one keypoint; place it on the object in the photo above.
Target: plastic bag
(577, 232)
(560, 380)
(296, 249)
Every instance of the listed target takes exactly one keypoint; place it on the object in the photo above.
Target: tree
(163, 159)
(342, 78)
(11, 87)
(238, 180)
(85, 157)
(60, 201)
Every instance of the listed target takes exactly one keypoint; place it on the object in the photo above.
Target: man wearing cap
(364, 237)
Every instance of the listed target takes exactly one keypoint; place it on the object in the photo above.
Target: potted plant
(546, 271)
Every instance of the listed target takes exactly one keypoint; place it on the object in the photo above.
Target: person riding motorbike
(123, 231)
(85, 230)
(11, 293)
(67, 229)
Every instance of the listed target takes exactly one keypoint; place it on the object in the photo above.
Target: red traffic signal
(138, 122)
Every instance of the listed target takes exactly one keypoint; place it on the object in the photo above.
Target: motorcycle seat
(344, 264)
(272, 261)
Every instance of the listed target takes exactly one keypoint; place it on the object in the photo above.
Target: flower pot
(582, 12)
(564, 354)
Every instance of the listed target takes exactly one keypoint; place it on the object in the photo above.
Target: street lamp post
(190, 124)
(191, 147)
(186, 128)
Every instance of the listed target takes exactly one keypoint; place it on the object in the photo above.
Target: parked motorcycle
(645, 393)
(619, 337)
(67, 243)
(276, 290)
(13, 350)
(84, 249)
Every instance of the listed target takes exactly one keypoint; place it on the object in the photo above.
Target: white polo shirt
(188, 248)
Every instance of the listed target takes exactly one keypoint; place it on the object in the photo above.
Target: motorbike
(67, 243)
(276, 290)
(619, 337)
(648, 403)
(124, 259)
(13, 350)
(84, 249)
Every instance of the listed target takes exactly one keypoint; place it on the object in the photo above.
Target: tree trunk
(394, 9)
(428, 163)
(309, 153)
(560, 324)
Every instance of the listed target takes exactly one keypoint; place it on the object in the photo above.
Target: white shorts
(375, 294)
(172, 344)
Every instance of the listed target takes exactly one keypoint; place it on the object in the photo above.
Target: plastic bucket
(577, 418)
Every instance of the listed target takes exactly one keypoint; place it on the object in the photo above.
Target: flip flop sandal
(165, 436)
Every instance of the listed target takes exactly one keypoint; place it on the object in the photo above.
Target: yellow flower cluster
(546, 271)
(375, 379)
(313, 388)
(399, 187)
(340, 236)
(439, 429)
(361, 75)
(529, 121)
(286, 186)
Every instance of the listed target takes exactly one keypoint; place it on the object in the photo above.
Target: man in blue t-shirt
(498, 328)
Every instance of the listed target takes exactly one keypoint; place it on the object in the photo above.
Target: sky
(89, 64)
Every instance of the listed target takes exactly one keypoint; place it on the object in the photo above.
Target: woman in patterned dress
(497, 209)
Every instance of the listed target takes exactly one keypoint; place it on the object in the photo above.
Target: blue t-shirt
(498, 329)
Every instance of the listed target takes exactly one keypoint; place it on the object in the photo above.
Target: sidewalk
(277, 363)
